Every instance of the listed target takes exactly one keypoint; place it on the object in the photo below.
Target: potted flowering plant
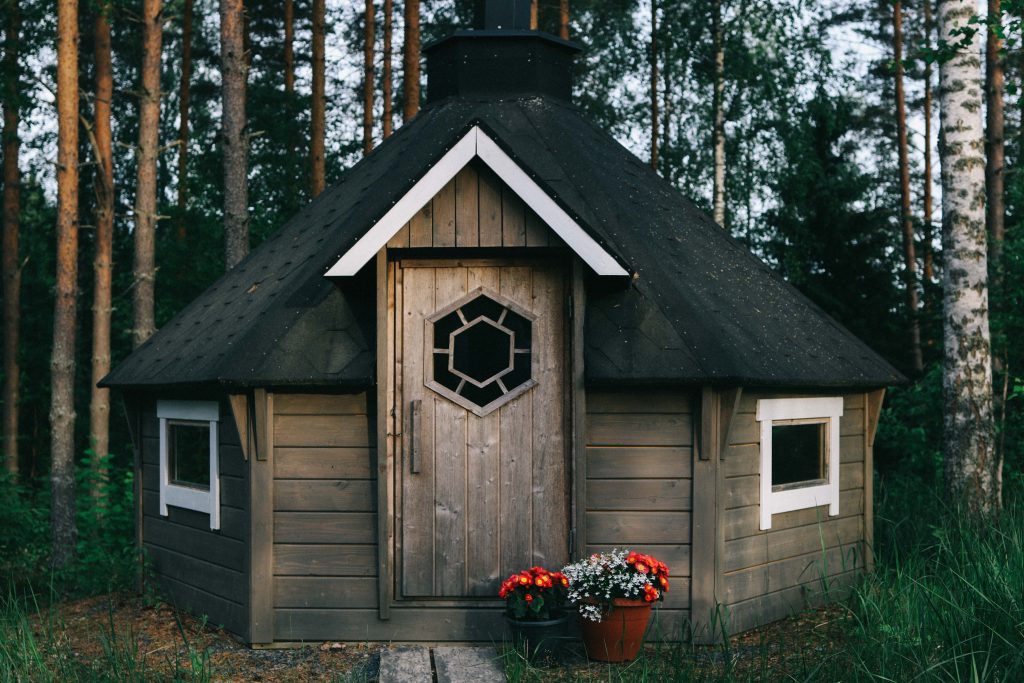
(614, 593)
(535, 601)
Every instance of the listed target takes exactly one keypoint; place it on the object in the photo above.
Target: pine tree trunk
(99, 403)
(318, 122)
(11, 258)
(144, 268)
(411, 61)
(289, 47)
(236, 142)
(994, 177)
(534, 15)
(368, 84)
(906, 215)
(718, 103)
(386, 71)
(62, 364)
(184, 93)
(563, 19)
(654, 84)
(973, 477)
(928, 234)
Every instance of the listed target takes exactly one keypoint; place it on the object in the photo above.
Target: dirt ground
(165, 641)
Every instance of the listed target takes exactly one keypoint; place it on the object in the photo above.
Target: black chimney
(499, 57)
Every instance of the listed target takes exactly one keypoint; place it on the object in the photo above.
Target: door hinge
(569, 306)
(572, 543)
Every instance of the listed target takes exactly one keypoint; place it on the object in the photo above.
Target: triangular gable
(476, 144)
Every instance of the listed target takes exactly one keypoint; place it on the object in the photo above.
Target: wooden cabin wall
(771, 574)
(195, 568)
(324, 516)
(475, 209)
(639, 463)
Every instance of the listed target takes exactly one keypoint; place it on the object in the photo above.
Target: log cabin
(499, 340)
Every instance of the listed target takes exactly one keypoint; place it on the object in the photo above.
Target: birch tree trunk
(718, 128)
(317, 109)
(654, 84)
(368, 84)
(994, 149)
(386, 70)
(973, 475)
(11, 254)
(236, 141)
(928, 233)
(62, 363)
(411, 61)
(184, 94)
(144, 267)
(99, 403)
(906, 216)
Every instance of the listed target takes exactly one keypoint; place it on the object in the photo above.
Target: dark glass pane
(481, 352)
(444, 327)
(520, 372)
(797, 453)
(441, 373)
(188, 449)
(522, 328)
(481, 397)
(482, 306)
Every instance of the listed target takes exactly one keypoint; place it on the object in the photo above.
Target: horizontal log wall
(806, 555)
(202, 571)
(639, 459)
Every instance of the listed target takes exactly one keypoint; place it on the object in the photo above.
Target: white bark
(719, 116)
(972, 472)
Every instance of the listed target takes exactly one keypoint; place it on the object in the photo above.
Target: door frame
(390, 424)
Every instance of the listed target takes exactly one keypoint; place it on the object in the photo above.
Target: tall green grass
(945, 603)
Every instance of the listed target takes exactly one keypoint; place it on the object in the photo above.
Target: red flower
(641, 567)
(529, 598)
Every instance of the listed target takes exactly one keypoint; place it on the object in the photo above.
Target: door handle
(414, 437)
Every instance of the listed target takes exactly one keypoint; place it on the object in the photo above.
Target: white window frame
(824, 410)
(186, 496)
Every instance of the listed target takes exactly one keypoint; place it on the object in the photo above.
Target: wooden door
(481, 391)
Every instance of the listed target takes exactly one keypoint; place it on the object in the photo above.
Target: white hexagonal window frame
(446, 346)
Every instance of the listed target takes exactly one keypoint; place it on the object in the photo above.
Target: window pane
(798, 453)
(188, 449)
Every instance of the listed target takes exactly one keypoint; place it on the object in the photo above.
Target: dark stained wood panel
(325, 592)
(323, 463)
(324, 560)
(325, 527)
(639, 462)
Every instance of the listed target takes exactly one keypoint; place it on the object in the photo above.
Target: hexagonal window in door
(481, 351)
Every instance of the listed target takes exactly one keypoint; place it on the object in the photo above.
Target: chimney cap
(497, 15)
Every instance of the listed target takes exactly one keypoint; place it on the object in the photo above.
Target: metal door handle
(414, 436)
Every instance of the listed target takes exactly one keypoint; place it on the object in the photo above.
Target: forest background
(808, 129)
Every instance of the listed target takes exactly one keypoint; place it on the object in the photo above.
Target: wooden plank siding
(807, 555)
(324, 504)
(195, 568)
(639, 463)
(475, 209)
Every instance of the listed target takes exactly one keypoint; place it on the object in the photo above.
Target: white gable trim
(476, 144)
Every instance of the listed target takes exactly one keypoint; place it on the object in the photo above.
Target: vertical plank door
(481, 496)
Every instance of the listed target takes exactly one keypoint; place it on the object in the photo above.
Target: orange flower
(641, 567)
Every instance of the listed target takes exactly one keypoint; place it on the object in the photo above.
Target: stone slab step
(405, 665)
(467, 665)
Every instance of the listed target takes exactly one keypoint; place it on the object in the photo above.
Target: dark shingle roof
(699, 309)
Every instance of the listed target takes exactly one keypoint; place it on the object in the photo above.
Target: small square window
(188, 457)
(799, 454)
(188, 449)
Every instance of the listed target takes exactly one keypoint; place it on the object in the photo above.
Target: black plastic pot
(540, 639)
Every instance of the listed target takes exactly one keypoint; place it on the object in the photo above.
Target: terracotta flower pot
(619, 635)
